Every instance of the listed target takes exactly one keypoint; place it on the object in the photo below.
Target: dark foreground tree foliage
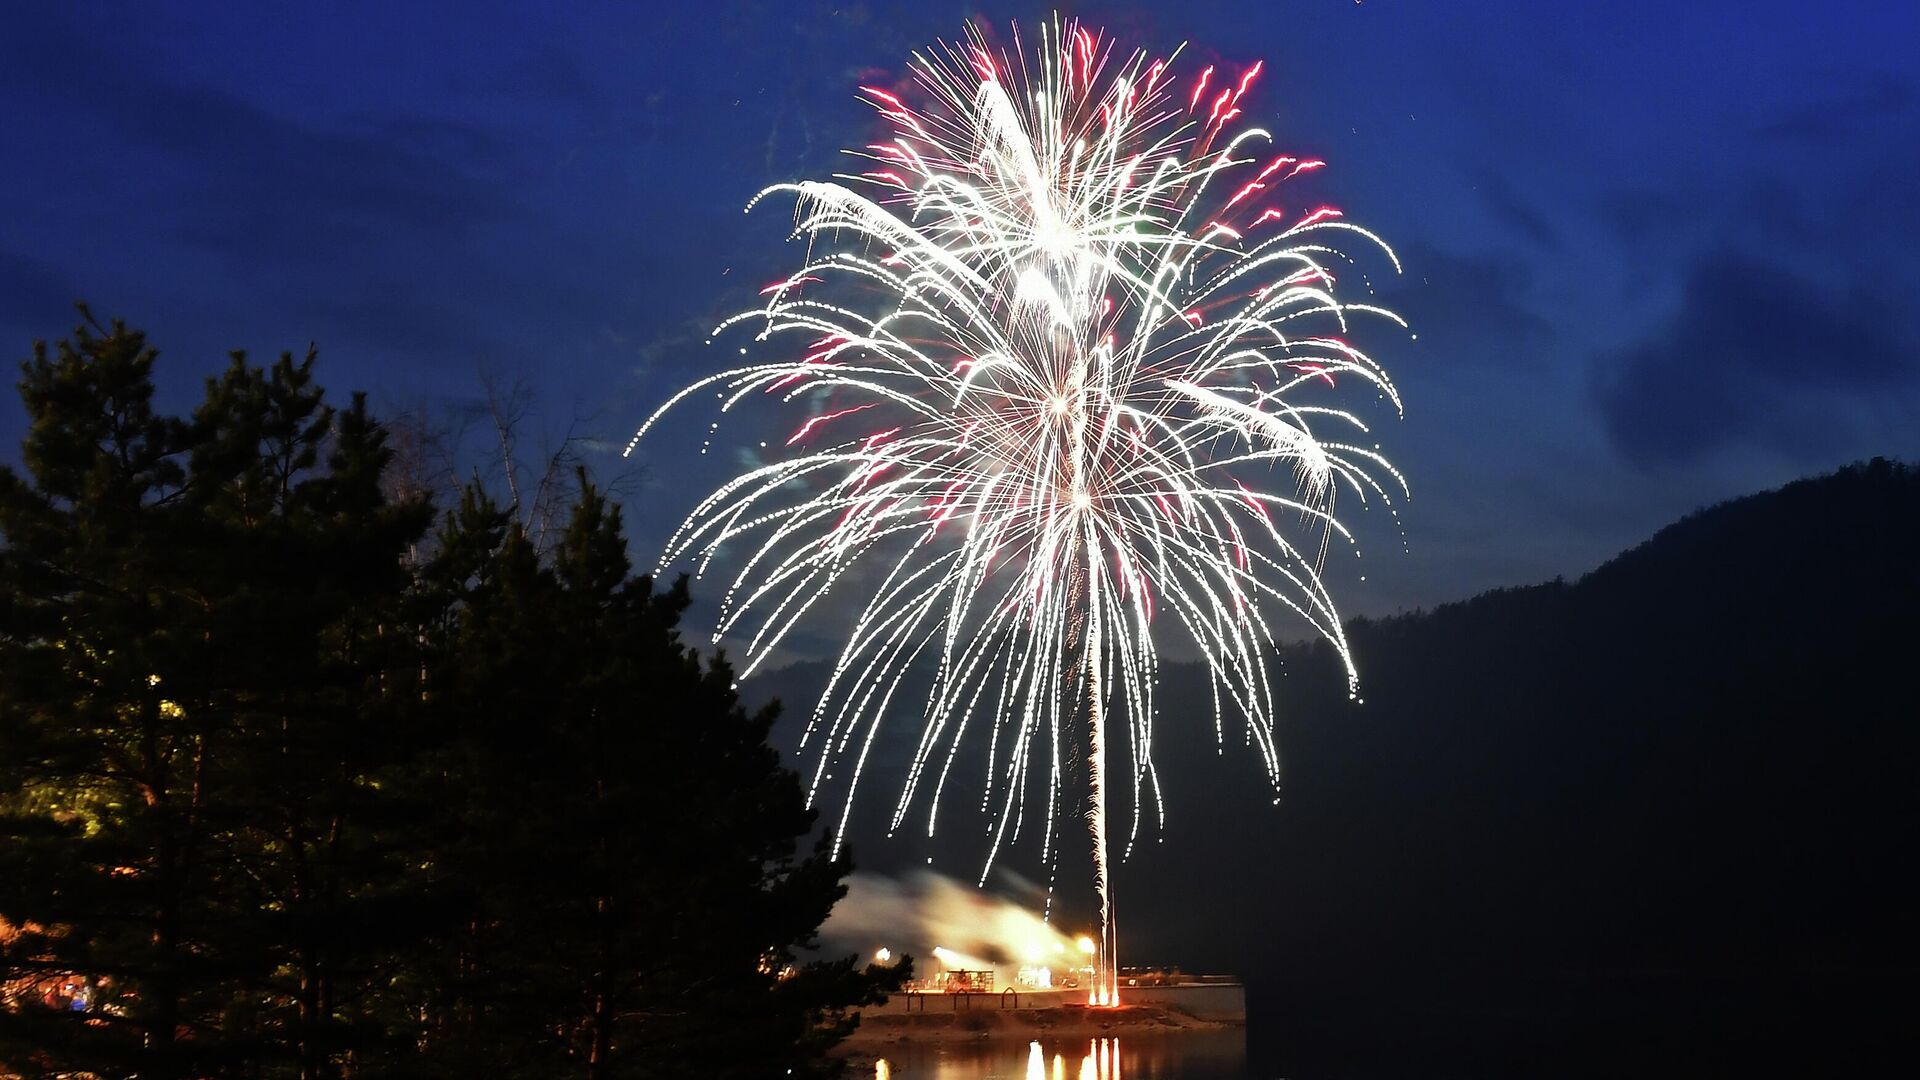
(636, 892)
(196, 665)
(278, 798)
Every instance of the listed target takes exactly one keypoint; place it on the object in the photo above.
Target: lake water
(1212, 1055)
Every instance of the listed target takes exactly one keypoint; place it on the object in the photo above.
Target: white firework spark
(1094, 363)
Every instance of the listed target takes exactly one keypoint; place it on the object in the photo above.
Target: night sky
(1658, 254)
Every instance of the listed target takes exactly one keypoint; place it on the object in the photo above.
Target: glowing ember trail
(1073, 325)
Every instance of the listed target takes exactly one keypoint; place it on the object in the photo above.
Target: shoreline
(878, 1030)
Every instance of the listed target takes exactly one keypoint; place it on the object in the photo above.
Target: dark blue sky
(1658, 254)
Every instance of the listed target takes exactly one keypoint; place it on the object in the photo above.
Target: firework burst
(1073, 353)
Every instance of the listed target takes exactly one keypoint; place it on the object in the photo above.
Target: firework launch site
(963, 1006)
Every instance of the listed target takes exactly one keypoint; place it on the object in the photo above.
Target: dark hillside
(1681, 786)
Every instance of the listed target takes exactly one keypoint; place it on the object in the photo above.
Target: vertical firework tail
(1106, 977)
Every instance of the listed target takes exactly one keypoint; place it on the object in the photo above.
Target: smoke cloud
(927, 911)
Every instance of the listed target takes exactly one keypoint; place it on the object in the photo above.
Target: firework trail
(1073, 354)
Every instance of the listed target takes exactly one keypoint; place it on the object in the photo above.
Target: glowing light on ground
(1071, 347)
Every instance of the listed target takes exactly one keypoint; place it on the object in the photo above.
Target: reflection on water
(1190, 1056)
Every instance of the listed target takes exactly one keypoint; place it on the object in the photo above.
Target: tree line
(303, 776)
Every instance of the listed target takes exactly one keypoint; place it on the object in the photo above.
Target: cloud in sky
(1755, 355)
(1787, 333)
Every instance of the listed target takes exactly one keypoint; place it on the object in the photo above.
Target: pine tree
(101, 841)
(631, 841)
(197, 701)
(316, 672)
